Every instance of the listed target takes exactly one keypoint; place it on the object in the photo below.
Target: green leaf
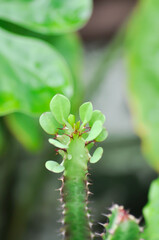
(143, 65)
(57, 143)
(48, 123)
(102, 136)
(60, 108)
(151, 212)
(47, 16)
(64, 139)
(85, 112)
(71, 119)
(31, 73)
(97, 115)
(53, 166)
(26, 130)
(90, 145)
(95, 131)
(97, 155)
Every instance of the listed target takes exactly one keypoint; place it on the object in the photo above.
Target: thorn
(63, 205)
(111, 231)
(61, 178)
(102, 224)
(87, 174)
(88, 183)
(63, 212)
(88, 215)
(60, 200)
(105, 215)
(90, 224)
(97, 234)
(61, 221)
(141, 229)
(86, 208)
(92, 236)
(89, 193)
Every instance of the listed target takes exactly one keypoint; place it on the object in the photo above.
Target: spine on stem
(73, 141)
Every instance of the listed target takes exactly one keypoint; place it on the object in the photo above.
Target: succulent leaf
(71, 119)
(64, 139)
(85, 112)
(97, 115)
(48, 123)
(54, 166)
(60, 108)
(102, 136)
(95, 131)
(97, 155)
(57, 143)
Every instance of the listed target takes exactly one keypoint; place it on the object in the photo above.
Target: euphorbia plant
(73, 141)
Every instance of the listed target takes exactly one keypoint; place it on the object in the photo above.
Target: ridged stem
(75, 193)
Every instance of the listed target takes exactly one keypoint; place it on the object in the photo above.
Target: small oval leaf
(48, 123)
(102, 136)
(95, 131)
(97, 115)
(60, 108)
(57, 143)
(85, 112)
(64, 139)
(71, 119)
(97, 155)
(54, 167)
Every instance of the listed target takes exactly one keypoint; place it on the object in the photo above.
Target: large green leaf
(31, 72)
(47, 16)
(151, 213)
(143, 64)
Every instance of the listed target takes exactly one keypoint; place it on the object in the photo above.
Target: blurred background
(104, 51)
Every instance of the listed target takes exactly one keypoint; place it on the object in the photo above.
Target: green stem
(75, 192)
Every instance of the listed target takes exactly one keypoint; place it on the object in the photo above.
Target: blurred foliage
(70, 47)
(26, 129)
(1, 138)
(30, 78)
(47, 16)
(151, 213)
(143, 62)
(35, 66)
